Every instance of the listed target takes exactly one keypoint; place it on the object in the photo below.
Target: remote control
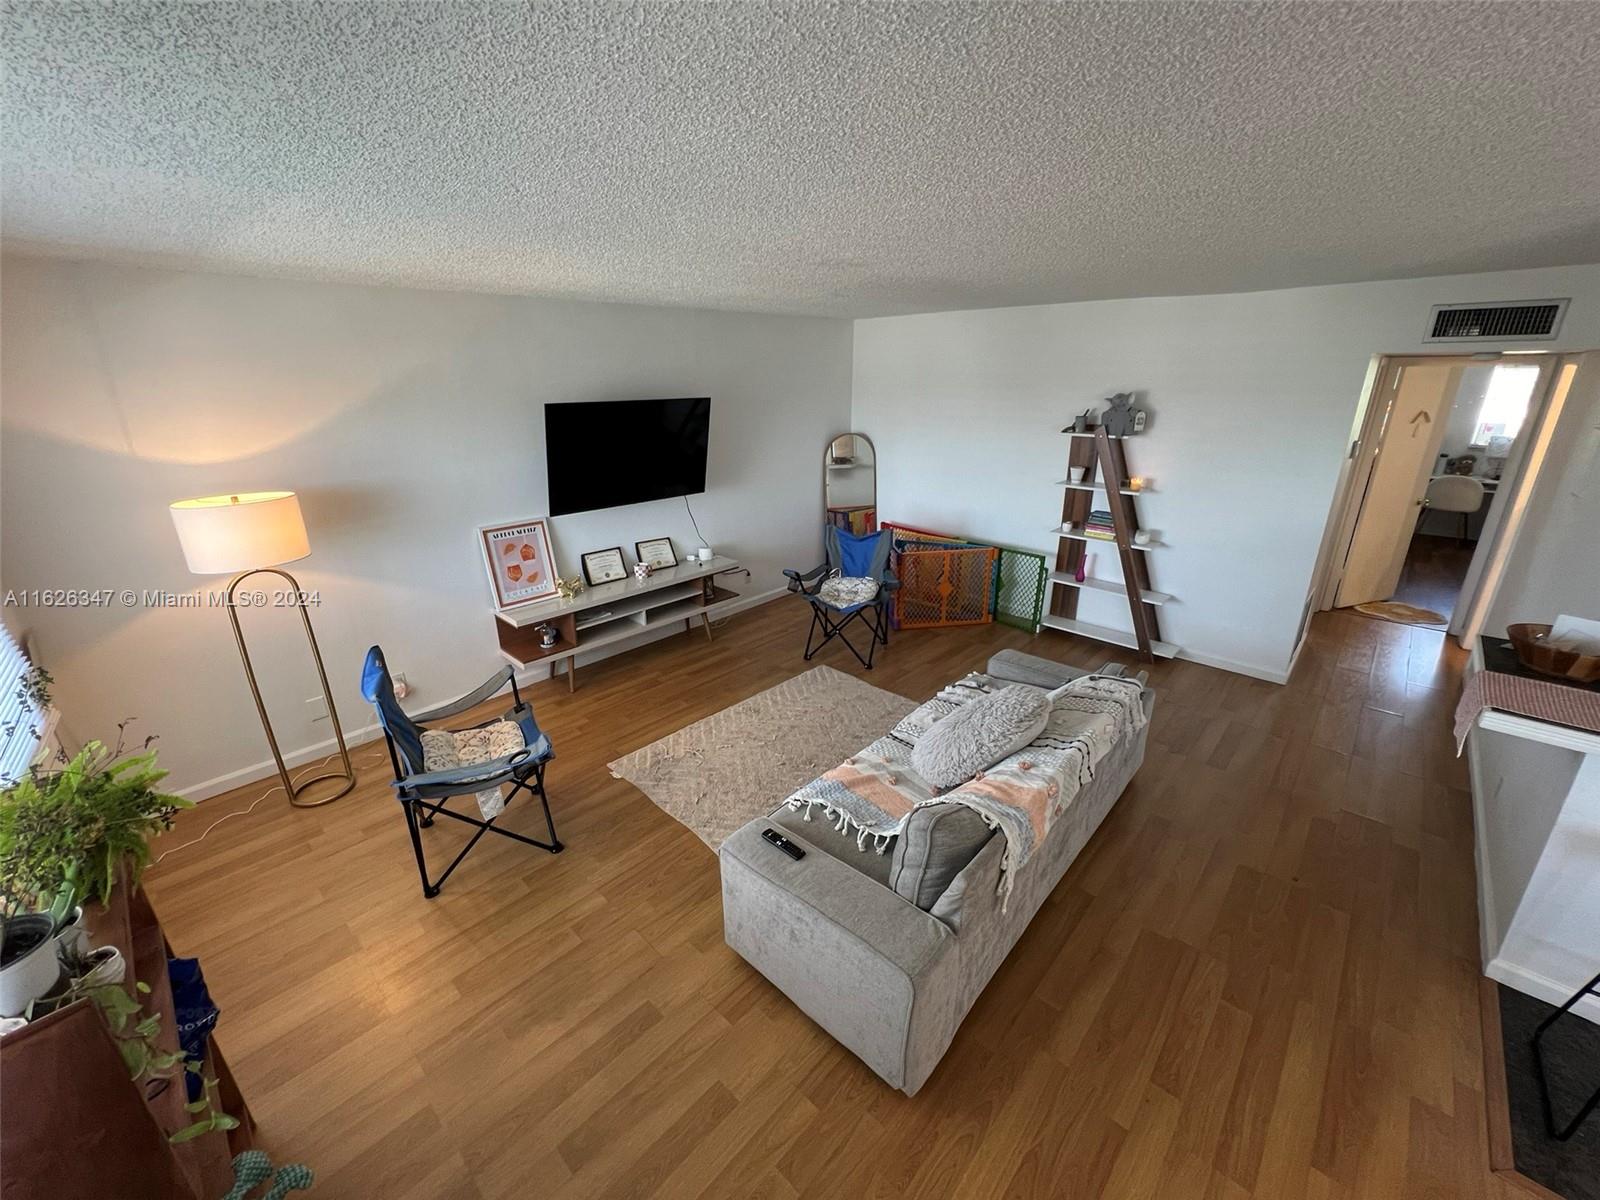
(784, 844)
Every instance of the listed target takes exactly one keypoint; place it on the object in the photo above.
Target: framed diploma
(657, 553)
(522, 570)
(604, 566)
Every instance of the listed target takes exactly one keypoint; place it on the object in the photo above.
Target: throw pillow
(979, 734)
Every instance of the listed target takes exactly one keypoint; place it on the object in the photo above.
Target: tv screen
(612, 452)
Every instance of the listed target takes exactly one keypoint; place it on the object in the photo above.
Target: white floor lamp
(253, 533)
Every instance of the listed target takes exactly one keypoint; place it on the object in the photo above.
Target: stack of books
(1099, 525)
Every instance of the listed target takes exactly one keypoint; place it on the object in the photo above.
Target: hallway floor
(1435, 569)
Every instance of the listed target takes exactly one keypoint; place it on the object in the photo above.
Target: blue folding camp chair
(423, 794)
(854, 556)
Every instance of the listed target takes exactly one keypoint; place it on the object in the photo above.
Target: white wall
(1537, 807)
(1251, 397)
(404, 419)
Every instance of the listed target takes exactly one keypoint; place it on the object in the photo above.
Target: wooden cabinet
(73, 1123)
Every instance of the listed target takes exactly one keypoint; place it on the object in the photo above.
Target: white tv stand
(614, 612)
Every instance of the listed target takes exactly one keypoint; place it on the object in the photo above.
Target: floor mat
(1401, 614)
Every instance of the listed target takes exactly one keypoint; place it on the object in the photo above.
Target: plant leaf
(190, 1132)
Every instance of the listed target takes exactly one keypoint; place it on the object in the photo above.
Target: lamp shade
(224, 534)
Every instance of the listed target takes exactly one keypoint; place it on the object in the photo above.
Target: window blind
(20, 722)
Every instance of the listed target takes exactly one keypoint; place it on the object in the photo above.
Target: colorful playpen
(948, 580)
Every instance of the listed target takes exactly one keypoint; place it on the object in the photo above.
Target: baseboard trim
(1541, 987)
(1237, 668)
(266, 769)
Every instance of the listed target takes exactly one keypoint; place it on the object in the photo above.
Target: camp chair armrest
(472, 699)
(798, 579)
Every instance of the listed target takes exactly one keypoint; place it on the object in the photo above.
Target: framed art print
(522, 569)
(657, 553)
(604, 566)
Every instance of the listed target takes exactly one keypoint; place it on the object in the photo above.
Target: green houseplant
(65, 831)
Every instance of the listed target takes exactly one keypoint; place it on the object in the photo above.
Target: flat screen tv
(612, 452)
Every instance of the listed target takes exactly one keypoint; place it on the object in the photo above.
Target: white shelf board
(1088, 486)
(669, 614)
(1094, 541)
(1115, 437)
(1149, 595)
(1104, 633)
(621, 631)
(609, 595)
(632, 606)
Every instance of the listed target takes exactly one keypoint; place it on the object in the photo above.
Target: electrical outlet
(318, 707)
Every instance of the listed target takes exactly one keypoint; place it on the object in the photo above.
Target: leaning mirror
(850, 483)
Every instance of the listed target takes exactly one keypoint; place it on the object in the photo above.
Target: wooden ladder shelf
(1105, 468)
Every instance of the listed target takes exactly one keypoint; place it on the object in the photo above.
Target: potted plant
(65, 832)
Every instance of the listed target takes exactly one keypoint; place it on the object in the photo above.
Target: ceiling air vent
(1502, 321)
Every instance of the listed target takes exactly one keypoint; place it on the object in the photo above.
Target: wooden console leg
(572, 673)
(706, 621)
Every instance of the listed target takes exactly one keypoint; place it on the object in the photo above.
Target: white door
(1413, 427)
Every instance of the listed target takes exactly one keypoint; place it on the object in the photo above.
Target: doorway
(1441, 441)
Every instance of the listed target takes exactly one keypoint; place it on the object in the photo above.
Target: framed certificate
(657, 553)
(604, 566)
(522, 570)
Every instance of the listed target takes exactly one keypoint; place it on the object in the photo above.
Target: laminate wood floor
(1435, 568)
(1259, 979)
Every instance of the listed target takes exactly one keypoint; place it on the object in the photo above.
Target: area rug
(1570, 1169)
(1401, 614)
(744, 761)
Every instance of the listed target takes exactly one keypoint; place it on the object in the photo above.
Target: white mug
(1075, 474)
(703, 554)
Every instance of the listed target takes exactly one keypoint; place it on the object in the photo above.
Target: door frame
(1375, 467)
(1504, 519)
(1483, 573)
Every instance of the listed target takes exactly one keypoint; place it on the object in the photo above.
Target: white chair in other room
(1456, 494)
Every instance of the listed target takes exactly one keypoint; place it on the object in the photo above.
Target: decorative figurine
(1118, 419)
(642, 571)
(568, 588)
(548, 636)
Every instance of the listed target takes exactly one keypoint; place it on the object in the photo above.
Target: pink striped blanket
(873, 792)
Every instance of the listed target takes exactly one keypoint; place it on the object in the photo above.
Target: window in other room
(1505, 403)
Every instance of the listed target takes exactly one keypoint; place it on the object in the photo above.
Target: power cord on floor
(254, 804)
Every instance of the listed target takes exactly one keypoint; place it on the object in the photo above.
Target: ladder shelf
(1103, 463)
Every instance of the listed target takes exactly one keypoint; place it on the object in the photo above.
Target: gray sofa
(889, 952)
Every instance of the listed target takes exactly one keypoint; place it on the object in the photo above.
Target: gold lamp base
(295, 790)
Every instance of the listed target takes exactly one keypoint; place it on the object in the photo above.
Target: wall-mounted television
(611, 452)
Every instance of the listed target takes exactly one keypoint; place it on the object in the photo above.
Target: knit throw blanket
(873, 792)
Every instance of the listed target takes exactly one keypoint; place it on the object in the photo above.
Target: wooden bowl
(1528, 641)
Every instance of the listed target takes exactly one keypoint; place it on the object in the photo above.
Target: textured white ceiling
(848, 159)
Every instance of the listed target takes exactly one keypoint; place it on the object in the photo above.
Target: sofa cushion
(979, 734)
(931, 850)
(1013, 666)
